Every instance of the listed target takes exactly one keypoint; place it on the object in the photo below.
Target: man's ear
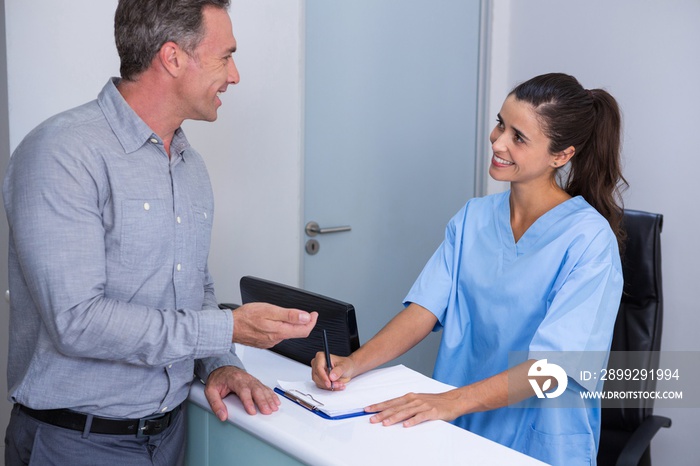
(172, 58)
(561, 158)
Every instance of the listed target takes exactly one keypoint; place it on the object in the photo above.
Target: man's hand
(252, 392)
(264, 325)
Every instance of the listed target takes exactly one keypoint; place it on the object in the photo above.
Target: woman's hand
(343, 371)
(402, 333)
(414, 408)
(491, 393)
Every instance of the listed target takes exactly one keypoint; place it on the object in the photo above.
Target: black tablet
(336, 317)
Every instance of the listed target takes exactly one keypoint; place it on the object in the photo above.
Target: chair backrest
(640, 317)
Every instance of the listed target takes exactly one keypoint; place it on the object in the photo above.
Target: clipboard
(372, 387)
(315, 408)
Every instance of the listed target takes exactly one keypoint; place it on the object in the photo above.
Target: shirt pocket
(146, 233)
(561, 449)
(203, 224)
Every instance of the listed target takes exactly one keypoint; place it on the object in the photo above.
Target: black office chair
(627, 429)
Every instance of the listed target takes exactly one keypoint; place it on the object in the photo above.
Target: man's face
(210, 69)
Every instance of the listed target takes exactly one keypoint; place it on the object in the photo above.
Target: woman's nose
(496, 139)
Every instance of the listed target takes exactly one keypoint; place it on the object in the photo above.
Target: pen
(328, 355)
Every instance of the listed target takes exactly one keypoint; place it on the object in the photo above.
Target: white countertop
(317, 441)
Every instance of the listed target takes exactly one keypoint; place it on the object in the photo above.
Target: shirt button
(205, 215)
(146, 206)
(179, 220)
(179, 267)
(170, 366)
(154, 140)
(164, 409)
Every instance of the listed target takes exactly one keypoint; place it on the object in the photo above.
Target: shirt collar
(128, 127)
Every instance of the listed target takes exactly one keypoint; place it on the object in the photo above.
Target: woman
(534, 270)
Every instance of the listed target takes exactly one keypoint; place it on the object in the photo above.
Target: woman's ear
(561, 158)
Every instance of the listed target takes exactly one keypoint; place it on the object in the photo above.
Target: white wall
(253, 151)
(645, 53)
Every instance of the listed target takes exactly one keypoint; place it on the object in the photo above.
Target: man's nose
(233, 76)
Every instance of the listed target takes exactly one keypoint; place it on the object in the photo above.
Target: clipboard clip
(300, 401)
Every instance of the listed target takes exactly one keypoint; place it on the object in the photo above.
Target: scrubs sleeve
(433, 287)
(582, 308)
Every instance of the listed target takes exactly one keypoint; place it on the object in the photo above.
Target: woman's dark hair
(141, 27)
(590, 121)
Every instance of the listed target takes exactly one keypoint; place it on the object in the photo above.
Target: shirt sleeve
(204, 367)
(53, 203)
(210, 301)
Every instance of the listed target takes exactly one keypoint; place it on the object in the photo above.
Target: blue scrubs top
(557, 290)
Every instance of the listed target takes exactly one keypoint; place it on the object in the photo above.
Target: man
(110, 213)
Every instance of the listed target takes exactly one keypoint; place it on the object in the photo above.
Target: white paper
(369, 388)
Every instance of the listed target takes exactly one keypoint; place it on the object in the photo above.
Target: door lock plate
(312, 247)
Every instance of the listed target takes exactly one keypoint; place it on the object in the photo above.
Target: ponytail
(596, 172)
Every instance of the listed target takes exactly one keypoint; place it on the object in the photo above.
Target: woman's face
(520, 147)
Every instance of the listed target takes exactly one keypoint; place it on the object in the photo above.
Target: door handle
(312, 229)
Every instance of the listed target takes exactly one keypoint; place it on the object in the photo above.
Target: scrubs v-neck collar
(536, 230)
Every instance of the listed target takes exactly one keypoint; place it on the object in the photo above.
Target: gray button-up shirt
(111, 299)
